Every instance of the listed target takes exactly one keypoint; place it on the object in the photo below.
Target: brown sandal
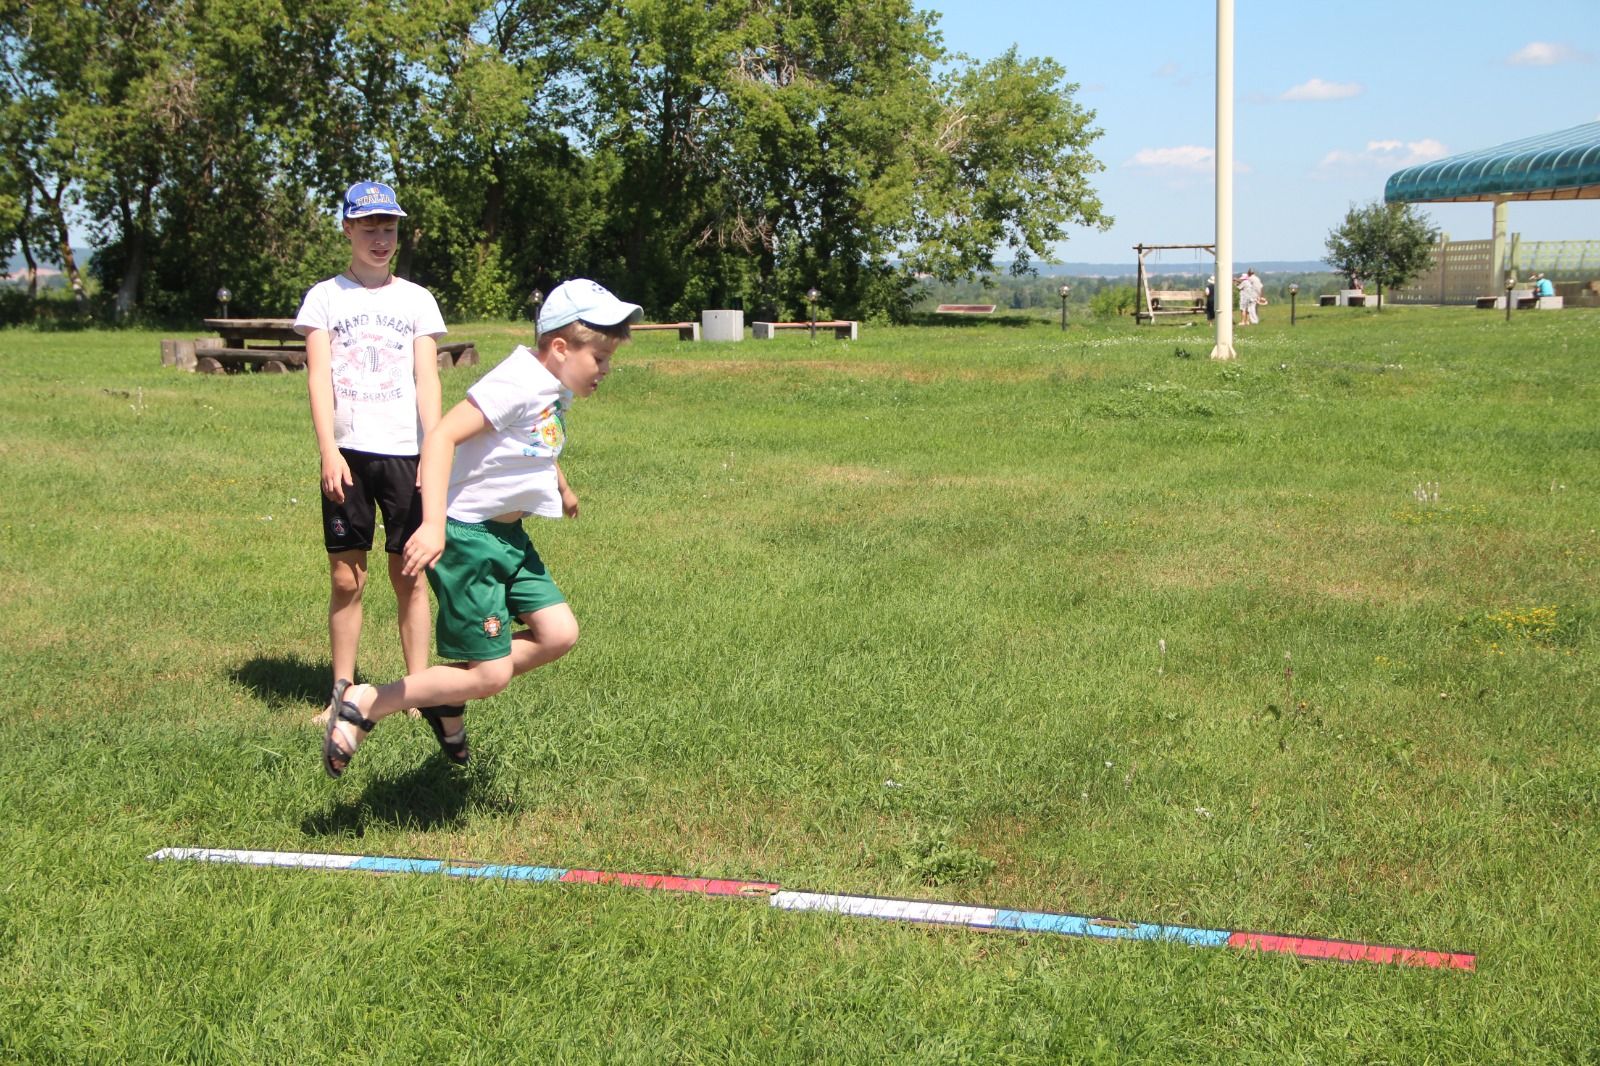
(343, 711)
(454, 745)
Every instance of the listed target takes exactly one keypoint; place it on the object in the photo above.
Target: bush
(1115, 301)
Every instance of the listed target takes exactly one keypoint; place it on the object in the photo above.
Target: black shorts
(390, 481)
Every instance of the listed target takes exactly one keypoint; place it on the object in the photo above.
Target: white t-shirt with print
(374, 376)
(512, 465)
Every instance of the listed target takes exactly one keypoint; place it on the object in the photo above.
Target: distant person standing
(1250, 290)
(1211, 298)
(1252, 293)
(373, 375)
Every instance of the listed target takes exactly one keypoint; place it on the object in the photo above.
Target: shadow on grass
(278, 680)
(428, 797)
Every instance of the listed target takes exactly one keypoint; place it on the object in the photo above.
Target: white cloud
(1183, 157)
(1317, 89)
(1172, 72)
(1385, 155)
(1545, 54)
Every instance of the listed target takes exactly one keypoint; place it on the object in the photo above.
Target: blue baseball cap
(587, 300)
(370, 198)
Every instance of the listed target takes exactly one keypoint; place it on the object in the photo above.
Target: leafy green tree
(1006, 166)
(39, 51)
(1388, 244)
(765, 150)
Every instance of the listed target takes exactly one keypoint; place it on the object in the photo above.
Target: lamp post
(811, 305)
(1065, 289)
(1510, 282)
(535, 298)
(1293, 290)
(223, 296)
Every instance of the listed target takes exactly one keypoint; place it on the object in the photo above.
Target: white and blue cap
(583, 300)
(370, 198)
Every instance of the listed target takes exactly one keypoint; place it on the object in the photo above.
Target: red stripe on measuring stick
(1310, 947)
(705, 886)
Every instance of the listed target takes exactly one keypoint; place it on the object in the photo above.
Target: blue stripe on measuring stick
(380, 864)
(1078, 925)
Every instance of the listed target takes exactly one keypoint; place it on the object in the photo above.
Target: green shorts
(488, 575)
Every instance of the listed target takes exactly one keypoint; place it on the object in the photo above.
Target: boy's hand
(569, 502)
(422, 550)
(335, 476)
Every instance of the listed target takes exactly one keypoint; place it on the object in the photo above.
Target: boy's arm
(569, 499)
(461, 422)
(425, 370)
(319, 383)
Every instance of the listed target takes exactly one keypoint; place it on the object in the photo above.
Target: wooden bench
(687, 331)
(843, 329)
(215, 359)
(457, 353)
(1523, 298)
(1173, 302)
(964, 309)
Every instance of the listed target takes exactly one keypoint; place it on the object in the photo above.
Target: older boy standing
(491, 461)
(373, 378)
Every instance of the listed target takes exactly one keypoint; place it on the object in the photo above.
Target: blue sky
(1330, 100)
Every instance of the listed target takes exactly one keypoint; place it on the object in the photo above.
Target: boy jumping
(491, 461)
(373, 375)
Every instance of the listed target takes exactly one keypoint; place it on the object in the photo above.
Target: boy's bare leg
(347, 580)
(551, 633)
(415, 616)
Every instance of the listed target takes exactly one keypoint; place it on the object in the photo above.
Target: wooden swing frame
(1165, 302)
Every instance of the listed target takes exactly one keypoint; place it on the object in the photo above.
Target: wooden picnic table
(257, 332)
(272, 345)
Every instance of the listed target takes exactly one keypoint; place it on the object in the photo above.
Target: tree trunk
(33, 266)
(64, 246)
(132, 274)
(135, 246)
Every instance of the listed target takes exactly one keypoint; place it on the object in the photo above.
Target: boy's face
(582, 367)
(373, 239)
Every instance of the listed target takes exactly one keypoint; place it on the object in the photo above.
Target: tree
(762, 149)
(1388, 244)
(1006, 165)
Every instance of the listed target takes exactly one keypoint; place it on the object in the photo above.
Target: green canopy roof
(1555, 166)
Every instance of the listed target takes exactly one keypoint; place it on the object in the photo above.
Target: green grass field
(881, 617)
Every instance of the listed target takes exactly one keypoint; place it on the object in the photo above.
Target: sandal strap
(348, 712)
(454, 744)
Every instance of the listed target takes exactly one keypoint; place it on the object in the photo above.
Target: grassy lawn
(976, 611)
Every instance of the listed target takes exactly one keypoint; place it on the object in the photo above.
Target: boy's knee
(347, 580)
(558, 637)
(492, 676)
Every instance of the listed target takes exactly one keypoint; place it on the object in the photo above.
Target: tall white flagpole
(1223, 301)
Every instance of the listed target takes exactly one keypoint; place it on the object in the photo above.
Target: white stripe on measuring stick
(904, 910)
(241, 857)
